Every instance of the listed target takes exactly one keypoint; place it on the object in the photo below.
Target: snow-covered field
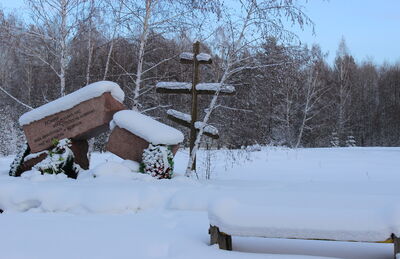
(119, 214)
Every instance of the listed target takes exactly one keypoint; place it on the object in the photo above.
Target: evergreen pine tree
(350, 141)
(334, 139)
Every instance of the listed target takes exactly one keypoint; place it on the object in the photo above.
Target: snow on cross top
(215, 87)
(147, 128)
(174, 85)
(67, 102)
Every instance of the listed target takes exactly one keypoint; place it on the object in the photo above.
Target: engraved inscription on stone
(60, 124)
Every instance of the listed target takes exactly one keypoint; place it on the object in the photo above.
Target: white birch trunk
(197, 142)
(341, 115)
(143, 41)
(108, 59)
(305, 114)
(63, 46)
(110, 50)
(231, 55)
(90, 47)
(210, 109)
(90, 50)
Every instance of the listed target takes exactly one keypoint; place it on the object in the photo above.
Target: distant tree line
(287, 94)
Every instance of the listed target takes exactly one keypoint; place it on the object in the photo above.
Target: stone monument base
(79, 148)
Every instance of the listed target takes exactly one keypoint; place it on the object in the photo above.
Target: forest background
(286, 92)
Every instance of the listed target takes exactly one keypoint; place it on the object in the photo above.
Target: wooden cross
(194, 88)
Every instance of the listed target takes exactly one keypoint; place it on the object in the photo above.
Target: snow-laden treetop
(147, 128)
(67, 102)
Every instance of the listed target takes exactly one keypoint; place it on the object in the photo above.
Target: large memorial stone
(132, 132)
(80, 115)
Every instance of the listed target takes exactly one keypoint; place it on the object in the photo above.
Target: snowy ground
(124, 215)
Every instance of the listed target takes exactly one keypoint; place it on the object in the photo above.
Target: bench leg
(223, 240)
(213, 231)
(396, 243)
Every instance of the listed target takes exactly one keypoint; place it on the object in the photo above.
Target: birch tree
(90, 47)
(159, 17)
(55, 24)
(242, 30)
(313, 91)
(286, 99)
(11, 64)
(115, 24)
(344, 74)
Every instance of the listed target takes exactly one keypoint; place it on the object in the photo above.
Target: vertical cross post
(396, 243)
(189, 120)
(195, 81)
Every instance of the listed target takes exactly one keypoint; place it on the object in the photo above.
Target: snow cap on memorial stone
(146, 128)
(67, 102)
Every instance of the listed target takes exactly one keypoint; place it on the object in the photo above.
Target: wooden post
(223, 240)
(396, 243)
(195, 59)
(195, 81)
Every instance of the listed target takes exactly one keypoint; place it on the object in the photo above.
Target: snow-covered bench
(378, 222)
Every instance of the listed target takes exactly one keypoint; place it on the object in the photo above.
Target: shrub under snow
(59, 160)
(158, 161)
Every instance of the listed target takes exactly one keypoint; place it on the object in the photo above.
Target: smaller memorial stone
(132, 132)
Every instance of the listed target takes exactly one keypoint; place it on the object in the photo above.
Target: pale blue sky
(371, 28)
